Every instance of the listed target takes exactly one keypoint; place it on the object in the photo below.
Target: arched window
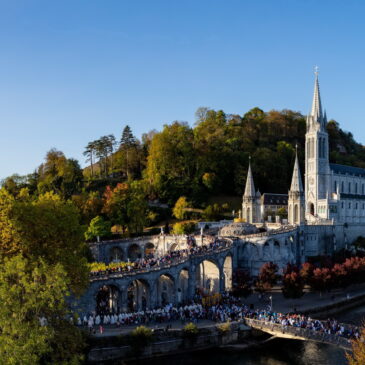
(335, 186)
(362, 189)
(320, 147)
(324, 148)
(342, 187)
(355, 188)
(349, 188)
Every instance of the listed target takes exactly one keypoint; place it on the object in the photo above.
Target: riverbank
(115, 343)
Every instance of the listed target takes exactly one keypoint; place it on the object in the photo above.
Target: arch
(107, 299)
(266, 251)
(296, 213)
(207, 277)
(277, 253)
(183, 286)
(116, 254)
(165, 289)
(138, 297)
(134, 252)
(149, 249)
(227, 271)
(174, 247)
(311, 208)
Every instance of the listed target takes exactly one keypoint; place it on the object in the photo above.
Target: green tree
(30, 291)
(47, 227)
(97, 228)
(179, 210)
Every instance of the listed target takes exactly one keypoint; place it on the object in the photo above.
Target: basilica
(332, 194)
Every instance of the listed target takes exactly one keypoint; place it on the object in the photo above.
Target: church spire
(296, 183)
(316, 112)
(250, 187)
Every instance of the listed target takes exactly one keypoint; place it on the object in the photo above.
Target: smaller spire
(296, 183)
(250, 187)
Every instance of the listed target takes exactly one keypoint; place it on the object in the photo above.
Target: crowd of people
(154, 261)
(330, 326)
(229, 309)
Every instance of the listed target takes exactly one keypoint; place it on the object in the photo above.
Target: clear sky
(72, 71)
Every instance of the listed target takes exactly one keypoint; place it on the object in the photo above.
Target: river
(275, 352)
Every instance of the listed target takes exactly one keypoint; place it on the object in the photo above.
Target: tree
(293, 283)
(306, 272)
(29, 291)
(184, 228)
(97, 228)
(47, 227)
(127, 140)
(89, 153)
(241, 283)
(357, 357)
(179, 210)
(268, 277)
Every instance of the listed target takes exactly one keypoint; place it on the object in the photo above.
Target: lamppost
(271, 303)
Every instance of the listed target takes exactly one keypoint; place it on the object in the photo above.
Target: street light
(271, 303)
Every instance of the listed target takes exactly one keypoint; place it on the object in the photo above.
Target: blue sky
(72, 71)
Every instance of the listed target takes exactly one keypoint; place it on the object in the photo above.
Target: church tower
(251, 212)
(317, 171)
(296, 202)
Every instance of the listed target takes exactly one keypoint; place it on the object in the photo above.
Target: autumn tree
(47, 227)
(268, 277)
(179, 210)
(357, 357)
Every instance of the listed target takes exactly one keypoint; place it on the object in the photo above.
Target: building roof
(350, 170)
(274, 199)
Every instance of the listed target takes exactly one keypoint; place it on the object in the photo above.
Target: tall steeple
(316, 104)
(250, 187)
(316, 114)
(296, 182)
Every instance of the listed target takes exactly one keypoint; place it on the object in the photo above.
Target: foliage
(224, 327)
(190, 330)
(48, 228)
(97, 228)
(212, 212)
(28, 291)
(268, 277)
(141, 336)
(306, 272)
(183, 228)
(241, 283)
(293, 283)
(357, 357)
(179, 210)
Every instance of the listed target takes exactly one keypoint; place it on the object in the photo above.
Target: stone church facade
(329, 210)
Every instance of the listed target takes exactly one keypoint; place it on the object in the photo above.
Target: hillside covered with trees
(198, 162)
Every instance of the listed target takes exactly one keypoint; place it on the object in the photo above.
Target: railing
(300, 333)
(270, 233)
(175, 262)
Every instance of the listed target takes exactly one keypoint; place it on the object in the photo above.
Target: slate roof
(343, 169)
(274, 199)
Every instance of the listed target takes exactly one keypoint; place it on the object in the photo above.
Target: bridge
(298, 333)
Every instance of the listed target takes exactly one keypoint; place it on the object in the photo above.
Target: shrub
(184, 228)
(224, 327)
(190, 330)
(140, 337)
